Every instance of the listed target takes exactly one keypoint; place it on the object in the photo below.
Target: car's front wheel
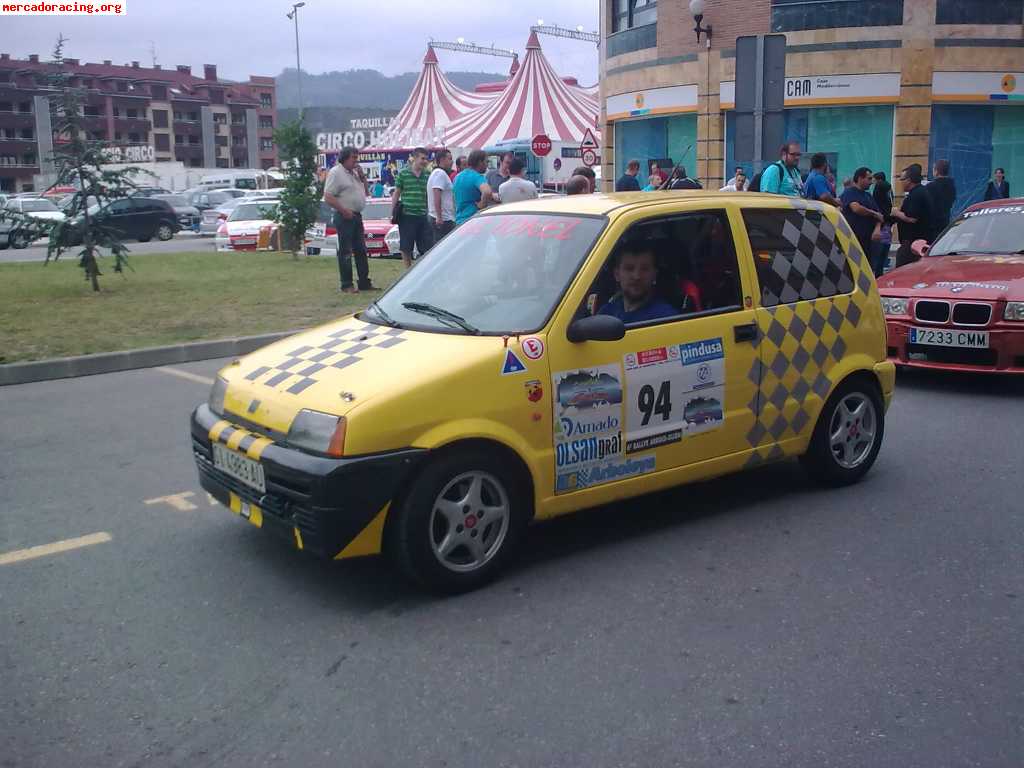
(164, 232)
(19, 239)
(848, 434)
(460, 521)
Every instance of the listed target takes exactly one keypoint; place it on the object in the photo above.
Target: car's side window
(120, 206)
(797, 255)
(668, 269)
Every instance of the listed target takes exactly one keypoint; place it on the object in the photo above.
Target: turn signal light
(337, 446)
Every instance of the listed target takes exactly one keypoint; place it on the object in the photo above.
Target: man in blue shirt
(635, 272)
(782, 177)
(817, 187)
(470, 189)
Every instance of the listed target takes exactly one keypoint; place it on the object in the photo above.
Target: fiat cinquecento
(551, 356)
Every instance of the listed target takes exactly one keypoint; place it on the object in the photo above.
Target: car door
(805, 306)
(674, 393)
(118, 217)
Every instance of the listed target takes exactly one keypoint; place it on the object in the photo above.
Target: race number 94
(651, 402)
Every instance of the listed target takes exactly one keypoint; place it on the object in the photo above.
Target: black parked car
(188, 215)
(136, 218)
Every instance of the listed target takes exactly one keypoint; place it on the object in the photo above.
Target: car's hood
(377, 226)
(978, 276)
(338, 367)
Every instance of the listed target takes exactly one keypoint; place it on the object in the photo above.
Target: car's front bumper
(1005, 353)
(320, 505)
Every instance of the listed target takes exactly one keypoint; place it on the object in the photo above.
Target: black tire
(145, 239)
(3, 243)
(838, 453)
(19, 240)
(164, 232)
(417, 528)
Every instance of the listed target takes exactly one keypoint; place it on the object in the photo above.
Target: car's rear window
(253, 212)
(797, 255)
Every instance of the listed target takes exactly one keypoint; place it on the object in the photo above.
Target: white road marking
(177, 500)
(185, 375)
(52, 549)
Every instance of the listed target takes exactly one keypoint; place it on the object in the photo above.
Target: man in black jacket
(627, 182)
(942, 195)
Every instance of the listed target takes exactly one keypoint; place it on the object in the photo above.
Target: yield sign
(589, 142)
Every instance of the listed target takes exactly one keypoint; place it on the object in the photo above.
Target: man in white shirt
(737, 183)
(345, 192)
(517, 188)
(440, 200)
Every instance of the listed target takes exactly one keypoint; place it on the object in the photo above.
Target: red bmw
(961, 307)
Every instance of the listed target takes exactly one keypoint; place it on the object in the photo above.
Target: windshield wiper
(383, 315)
(441, 314)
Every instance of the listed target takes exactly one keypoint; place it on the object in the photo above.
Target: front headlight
(1014, 311)
(895, 306)
(318, 432)
(216, 401)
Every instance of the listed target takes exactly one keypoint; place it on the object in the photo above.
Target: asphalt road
(750, 621)
(181, 242)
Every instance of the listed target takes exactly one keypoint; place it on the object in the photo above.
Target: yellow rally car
(550, 356)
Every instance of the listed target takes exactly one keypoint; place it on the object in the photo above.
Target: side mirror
(596, 328)
(919, 248)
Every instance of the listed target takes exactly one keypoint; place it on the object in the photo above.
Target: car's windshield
(38, 206)
(988, 230)
(499, 274)
(177, 201)
(377, 211)
(253, 212)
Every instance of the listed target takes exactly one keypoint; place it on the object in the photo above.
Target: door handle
(747, 332)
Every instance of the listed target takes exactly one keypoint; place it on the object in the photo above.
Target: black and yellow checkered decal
(801, 340)
(298, 371)
(238, 439)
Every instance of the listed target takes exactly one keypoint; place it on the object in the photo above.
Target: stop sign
(541, 145)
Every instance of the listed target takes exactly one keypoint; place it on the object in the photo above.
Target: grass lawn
(50, 311)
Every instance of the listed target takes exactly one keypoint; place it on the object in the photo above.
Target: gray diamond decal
(754, 460)
(776, 332)
(820, 354)
(835, 317)
(778, 429)
(839, 349)
(821, 385)
(864, 283)
(797, 327)
(780, 365)
(779, 396)
(800, 359)
(754, 375)
(816, 323)
(775, 454)
(753, 404)
(853, 314)
(800, 420)
(757, 433)
(800, 390)
(845, 284)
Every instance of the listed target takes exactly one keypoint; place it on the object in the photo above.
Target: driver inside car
(636, 302)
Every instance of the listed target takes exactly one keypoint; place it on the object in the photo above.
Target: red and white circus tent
(535, 101)
(434, 103)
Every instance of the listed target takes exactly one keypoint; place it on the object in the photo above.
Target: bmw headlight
(216, 401)
(318, 432)
(895, 306)
(1014, 311)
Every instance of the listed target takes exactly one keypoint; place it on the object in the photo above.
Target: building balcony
(17, 119)
(132, 124)
(188, 151)
(17, 146)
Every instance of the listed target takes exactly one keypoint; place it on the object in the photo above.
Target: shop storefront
(847, 117)
(658, 125)
(978, 125)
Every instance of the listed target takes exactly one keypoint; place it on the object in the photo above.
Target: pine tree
(300, 202)
(79, 163)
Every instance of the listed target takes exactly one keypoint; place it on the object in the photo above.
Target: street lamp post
(294, 16)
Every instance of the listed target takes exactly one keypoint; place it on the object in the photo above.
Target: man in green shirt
(414, 230)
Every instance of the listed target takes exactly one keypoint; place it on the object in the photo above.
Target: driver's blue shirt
(652, 310)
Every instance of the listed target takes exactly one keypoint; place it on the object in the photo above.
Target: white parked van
(238, 180)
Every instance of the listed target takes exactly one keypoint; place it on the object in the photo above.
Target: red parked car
(961, 307)
(321, 238)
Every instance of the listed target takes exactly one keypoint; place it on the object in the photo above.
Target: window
(792, 15)
(134, 138)
(195, 162)
(267, 145)
(266, 100)
(627, 14)
(238, 118)
(99, 135)
(179, 116)
(9, 133)
(117, 111)
(194, 141)
(220, 118)
(237, 141)
(5, 76)
(797, 256)
(222, 162)
(159, 92)
(240, 162)
(133, 114)
(118, 136)
(266, 121)
(221, 141)
(6, 106)
(122, 86)
(25, 106)
(162, 142)
(29, 159)
(979, 12)
(179, 139)
(90, 110)
(159, 118)
(689, 259)
(28, 133)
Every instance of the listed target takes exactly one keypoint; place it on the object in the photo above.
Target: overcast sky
(246, 37)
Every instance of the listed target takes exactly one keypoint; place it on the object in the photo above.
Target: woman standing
(999, 187)
(882, 193)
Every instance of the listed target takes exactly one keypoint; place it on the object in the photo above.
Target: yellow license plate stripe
(250, 512)
(217, 428)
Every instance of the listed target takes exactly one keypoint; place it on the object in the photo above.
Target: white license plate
(244, 241)
(949, 337)
(239, 467)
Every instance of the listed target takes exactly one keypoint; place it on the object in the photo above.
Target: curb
(110, 362)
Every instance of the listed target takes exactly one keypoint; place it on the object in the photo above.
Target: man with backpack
(782, 176)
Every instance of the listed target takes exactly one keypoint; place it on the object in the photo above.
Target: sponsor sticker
(587, 417)
(533, 348)
(534, 391)
(606, 472)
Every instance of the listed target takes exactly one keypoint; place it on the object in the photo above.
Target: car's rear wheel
(19, 239)
(164, 232)
(459, 523)
(848, 434)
